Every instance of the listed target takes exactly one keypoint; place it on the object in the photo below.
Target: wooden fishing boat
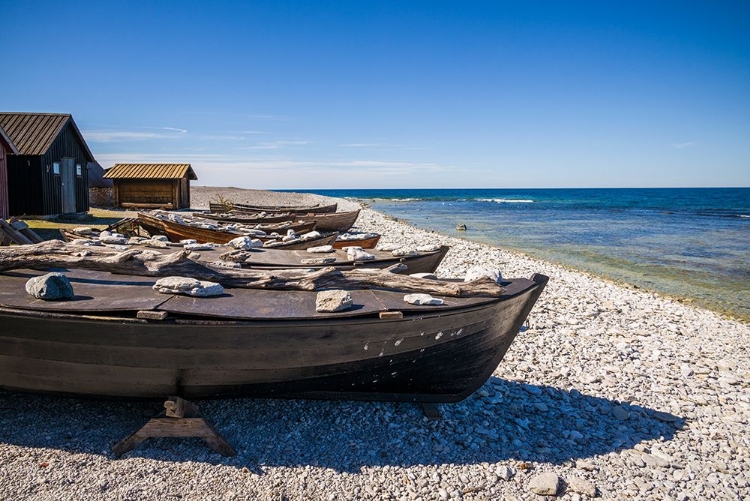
(261, 258)
(311, 209)
(337, 221)
(249, 342)
(367, 241)
(157, 224)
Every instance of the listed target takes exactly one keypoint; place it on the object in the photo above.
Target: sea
(689, 243)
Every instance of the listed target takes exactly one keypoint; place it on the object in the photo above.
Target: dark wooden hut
(6, 148)
(152, 185)
(47, 168)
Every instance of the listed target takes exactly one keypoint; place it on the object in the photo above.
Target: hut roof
(5, 141)
(150, 171)
(34, 133)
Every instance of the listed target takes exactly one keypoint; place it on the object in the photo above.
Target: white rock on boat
(428, 248)
(114, 240)
(332, 301)
(160, 238)
(404, 252)
(310, 235)
(242, 243)
(87, 242)
(199, 247)
(477, 272)
(423, 299)
(321, 249)
(319, 260)
(188, 286)
(155, 243)
(50, 287)
(357, 254)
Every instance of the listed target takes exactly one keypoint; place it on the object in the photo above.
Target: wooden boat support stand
(180, 418)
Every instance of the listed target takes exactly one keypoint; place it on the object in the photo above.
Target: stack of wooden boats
(183, 226)
(264, 336)
(324, 221)
(186, 226)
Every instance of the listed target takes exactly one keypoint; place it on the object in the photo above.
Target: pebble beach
(609, 392)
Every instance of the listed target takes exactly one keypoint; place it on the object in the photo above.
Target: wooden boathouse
(6, 148)
(165, 186)
(46, 165)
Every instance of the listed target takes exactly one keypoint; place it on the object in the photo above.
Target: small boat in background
(261, 258)
(219, 207)
(364, 240)
(336, 221)
(177, 230)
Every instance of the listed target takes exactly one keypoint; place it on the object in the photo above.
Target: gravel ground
(609, 392)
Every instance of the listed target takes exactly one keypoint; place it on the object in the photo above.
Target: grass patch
(48, 229)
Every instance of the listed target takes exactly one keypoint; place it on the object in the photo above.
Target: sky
(395, 94)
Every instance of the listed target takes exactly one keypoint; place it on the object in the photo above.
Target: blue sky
(378, 94)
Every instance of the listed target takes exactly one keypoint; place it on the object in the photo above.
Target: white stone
(188, 286)
(477, 272)
(423, 299)
(404, 252)
(333, 301)
(322, 249)
(359, 255)
(198, 247)
(241, 243)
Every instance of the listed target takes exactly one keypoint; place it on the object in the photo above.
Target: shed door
(68, 190)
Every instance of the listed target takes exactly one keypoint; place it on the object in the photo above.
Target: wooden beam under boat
(253, 343)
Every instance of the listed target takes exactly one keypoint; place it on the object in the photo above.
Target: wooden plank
(14, 235)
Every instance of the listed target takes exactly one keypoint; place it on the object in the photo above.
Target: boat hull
(317, 209)
(441, 356)
(336, 221)
(176, 232)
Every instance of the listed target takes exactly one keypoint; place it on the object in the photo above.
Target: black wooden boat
(256, 343)
(159, 224)
(261, 258)
(309, 209)
(336, 221)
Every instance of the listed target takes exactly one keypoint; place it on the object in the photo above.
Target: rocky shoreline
(609, 392)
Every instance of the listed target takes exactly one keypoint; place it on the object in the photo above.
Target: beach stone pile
(608, 392)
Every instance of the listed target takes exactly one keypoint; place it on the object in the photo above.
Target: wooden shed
(6, 148)
(164, 186)
(46, 168)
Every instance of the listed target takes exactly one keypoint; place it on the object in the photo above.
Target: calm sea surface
(686, 242)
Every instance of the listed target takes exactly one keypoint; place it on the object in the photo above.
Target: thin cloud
(175, 129)
(240, 115)
(276, 145)
(108, 136)
(679, 146)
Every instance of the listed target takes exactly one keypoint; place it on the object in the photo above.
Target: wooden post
(180, 418)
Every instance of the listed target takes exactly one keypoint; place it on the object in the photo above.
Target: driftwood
(143, 262)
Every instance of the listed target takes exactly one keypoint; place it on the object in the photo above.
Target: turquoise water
(687, 242)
